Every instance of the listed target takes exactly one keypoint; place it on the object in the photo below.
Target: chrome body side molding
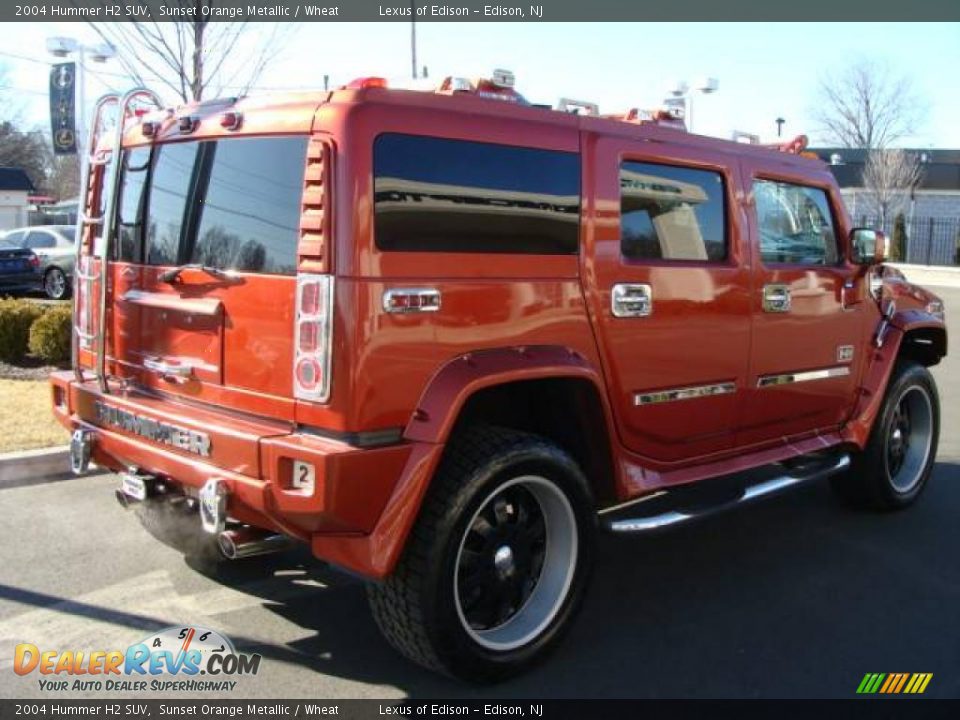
(685, 393)
(805, 376)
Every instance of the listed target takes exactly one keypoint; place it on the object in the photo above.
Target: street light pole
(413, 38)
(82, 103)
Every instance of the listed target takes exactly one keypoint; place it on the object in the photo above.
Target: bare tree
(197, 58)
(63, 176)
(27, 149)
(888, 178)
(867, 106)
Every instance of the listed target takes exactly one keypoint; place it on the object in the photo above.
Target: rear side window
(170, 190)
(40, 241)
(136, 165)
(795, 224)
(672, 213)
(440, 195)
(231, 204)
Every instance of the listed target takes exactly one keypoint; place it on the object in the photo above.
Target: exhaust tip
(250, 542)
(227, 544)
(122, 499)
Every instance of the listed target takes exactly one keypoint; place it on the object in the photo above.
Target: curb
(932, 275)
(27, 467)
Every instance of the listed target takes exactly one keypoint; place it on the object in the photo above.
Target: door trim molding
(684, 393)
(765, 381)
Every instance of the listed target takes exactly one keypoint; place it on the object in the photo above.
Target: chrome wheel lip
(556, 575)
(915, 445)
(55, 283)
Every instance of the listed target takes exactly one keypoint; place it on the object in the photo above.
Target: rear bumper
(20, 281)
(350, 519)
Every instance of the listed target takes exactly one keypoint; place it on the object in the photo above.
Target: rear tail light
(34, 261)
(81, 311)
(312, 342)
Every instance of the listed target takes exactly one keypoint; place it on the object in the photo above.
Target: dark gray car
(53, 245)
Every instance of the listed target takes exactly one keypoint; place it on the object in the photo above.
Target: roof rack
(666, 117)
(500, 86)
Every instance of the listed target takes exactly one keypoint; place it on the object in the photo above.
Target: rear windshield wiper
(170, 275)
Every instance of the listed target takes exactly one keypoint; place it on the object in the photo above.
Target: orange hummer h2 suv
(445, 337)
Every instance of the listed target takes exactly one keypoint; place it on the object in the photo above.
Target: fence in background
(929, 241)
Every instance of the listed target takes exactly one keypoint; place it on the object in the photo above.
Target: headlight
(935, 308)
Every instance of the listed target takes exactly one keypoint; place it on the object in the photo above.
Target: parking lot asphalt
(793, 597)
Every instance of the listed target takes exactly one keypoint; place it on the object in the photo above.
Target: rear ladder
(124, 108)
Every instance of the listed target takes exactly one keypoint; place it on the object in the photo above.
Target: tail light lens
(312, 341)
(34, 261)
(81, 310)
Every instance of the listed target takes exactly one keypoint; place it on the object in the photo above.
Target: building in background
(931, 210)
(15, 190)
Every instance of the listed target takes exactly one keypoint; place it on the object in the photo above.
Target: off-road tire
(418, 607)
(869, 483)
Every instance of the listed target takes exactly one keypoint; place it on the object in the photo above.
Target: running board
(674, 516)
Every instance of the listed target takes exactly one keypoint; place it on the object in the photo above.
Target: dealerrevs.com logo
(177, 659)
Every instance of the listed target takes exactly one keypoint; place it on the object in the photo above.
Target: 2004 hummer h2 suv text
(444, 337)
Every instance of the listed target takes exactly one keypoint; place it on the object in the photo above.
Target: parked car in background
(53, 246)
(19, 268)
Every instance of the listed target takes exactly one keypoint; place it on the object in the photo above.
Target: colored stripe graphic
(894, 683)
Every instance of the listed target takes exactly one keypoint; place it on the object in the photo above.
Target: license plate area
(135, 486)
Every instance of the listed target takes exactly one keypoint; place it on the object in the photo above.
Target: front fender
(880, 368)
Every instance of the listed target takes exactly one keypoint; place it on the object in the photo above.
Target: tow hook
(213, 506)
(81, 445)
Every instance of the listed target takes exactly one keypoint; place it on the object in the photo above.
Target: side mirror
(868, 247)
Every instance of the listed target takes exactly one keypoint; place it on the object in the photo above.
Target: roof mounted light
(503, 78)
(577, 107)
(231, 120)
(149, 128)
(453, 85)
(188, 123)
(366, 83)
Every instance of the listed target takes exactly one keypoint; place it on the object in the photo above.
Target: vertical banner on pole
(63, 126)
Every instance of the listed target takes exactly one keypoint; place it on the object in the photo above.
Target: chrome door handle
(631, 300)
(776, 298)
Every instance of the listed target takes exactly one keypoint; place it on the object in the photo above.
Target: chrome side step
(674, 516)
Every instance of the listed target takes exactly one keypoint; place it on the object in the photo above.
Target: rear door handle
(176, 372)
(631, 300)
(776, 298)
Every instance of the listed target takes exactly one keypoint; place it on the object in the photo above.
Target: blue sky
(764, 70)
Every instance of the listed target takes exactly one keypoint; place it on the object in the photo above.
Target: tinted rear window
(440, 195)
(232, 204)
(136, 166)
